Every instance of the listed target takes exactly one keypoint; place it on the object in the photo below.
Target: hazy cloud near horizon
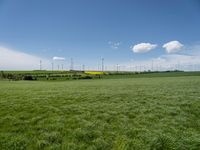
(166, 62)
(15, 60)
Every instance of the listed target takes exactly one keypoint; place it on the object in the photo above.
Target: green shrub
(28, 77)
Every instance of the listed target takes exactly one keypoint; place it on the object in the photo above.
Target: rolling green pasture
(157, 113)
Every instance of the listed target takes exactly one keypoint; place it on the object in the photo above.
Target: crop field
(158, 113)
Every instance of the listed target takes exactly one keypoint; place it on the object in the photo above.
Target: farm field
(42, 75)
(120, 114)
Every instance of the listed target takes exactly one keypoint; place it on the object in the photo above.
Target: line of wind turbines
(59, 66)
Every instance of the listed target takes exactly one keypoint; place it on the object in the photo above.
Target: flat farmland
(119, 114)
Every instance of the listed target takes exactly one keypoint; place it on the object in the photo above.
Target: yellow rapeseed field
(94, 72)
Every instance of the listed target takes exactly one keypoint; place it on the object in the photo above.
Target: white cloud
(173, 46)
(15, 60)
(58, 58)
(114, 45)
(143, 47)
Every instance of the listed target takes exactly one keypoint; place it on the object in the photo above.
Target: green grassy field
(155, 113)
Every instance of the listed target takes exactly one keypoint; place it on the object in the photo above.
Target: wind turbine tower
(72, 64)
(102, 64)
(52, 65)
(40, 64)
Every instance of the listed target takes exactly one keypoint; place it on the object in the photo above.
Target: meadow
(157, 113)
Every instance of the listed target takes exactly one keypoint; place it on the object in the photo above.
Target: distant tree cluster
(44, 76)
(13, 76)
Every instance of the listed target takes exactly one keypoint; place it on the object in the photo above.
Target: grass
(157, 113)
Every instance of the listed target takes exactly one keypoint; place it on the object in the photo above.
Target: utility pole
(62, 66)
(152, 65)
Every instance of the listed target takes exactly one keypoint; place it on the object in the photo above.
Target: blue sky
(87, 30)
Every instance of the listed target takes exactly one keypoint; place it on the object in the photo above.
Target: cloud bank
(143, 47)
(15, 60)
(173, 46)
(162, 63)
